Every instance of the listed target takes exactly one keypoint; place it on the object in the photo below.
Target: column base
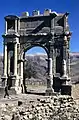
(11, 91)
(65, 85)
(66, 90)
(15, 90)
(49, 92)
(15, 87)
(4, 79)
(65, 80)
(2, 91)
(57, 83)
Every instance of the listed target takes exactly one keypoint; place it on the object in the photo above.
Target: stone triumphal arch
(49, 30)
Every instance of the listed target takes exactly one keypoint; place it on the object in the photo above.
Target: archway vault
(51, 32)
(35, 69)
(36, 45)
(41, 41)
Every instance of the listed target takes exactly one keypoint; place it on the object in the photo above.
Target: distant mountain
(74, 67)
(40, 66)
(36, 67)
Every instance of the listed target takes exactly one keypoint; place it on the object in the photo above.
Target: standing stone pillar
(16, 76)
(50, 90)
(16, 26)
(21, 72)
(68, 53)
(8, 62)
(5, 64)
(68, 63)
(6, 27)
(50, 84)
(65, 80)
(22, 69)
(64, 65)
(64, 68)
(54, 62)
(15, 59)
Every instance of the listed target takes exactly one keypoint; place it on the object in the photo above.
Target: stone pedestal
(50, 92)
(4, 80)
(65, 86)
(15, 84)
(2, 91)
(57, 84)
(66, 89)
(11, 91)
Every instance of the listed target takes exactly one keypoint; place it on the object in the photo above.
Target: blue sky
(18, 6)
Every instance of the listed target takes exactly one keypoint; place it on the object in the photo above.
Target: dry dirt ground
(33, 92)
(38, 107)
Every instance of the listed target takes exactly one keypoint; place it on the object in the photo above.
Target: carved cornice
(11, 35)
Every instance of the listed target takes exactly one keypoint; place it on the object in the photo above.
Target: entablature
(49, 22)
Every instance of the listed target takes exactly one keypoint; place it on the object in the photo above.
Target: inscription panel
(34, 25)
(41, 24)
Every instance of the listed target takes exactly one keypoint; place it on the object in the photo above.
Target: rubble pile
(46, 108)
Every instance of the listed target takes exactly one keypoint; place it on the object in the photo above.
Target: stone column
(50, 72)
(15, 59)
(50, 90)
(8, 63)
(6, 27)
(64, 68)
(68, 63)
(16, 25)
(5, 59)
(18, 58)
(21, 72)
(64, 65)
(22, 69)
(54, 61)
(68, 55)
(5, 63)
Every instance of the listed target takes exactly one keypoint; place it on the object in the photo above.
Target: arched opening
(35, 69)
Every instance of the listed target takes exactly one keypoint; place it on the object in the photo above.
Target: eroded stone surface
(42, 108)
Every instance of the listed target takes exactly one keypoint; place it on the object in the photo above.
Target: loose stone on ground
(31, 107)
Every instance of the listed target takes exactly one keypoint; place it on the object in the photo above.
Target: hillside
(38, 62)
(74, 67)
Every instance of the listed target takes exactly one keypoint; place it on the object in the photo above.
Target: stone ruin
(50, 31)
(61, 107)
